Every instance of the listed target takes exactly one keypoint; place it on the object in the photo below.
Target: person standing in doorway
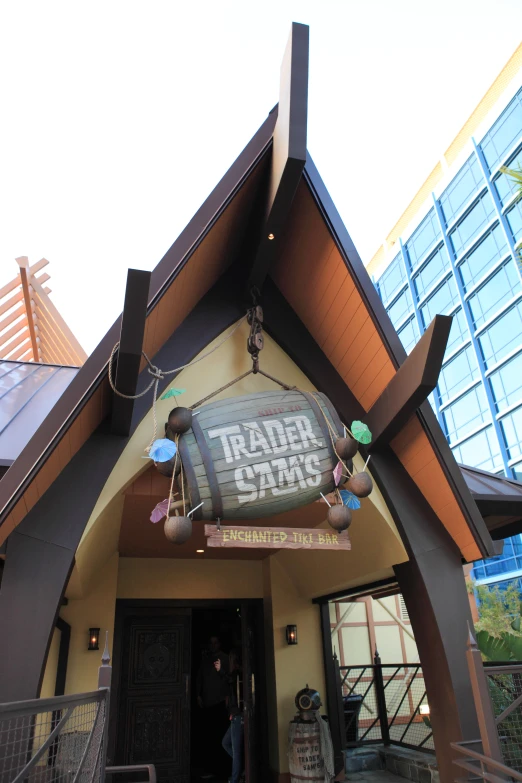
(234, 737)
(211, 693)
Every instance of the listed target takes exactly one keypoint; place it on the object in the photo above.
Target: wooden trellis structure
(31, 328)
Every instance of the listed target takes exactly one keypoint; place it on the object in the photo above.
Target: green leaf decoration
(361, 432)
(514, 644)
(516, 625)
(172, 393)
(492, 647)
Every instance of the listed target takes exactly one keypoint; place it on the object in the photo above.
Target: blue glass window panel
(479, 571)
(431, 271)
(498, 290)
(392, 279)
(480, 451)
(505, 185)
(506, 383)
(400, 309)
(409, 335)
(502, 336)
(466, 414)
(512, 429)
(514, 217)
(476, 264)
(459, 332)
(495, 567)
(472, 224)
(504, 133)
(423, 238)
(517, 470)
(461, 188)
(457, 374)
(441, 302)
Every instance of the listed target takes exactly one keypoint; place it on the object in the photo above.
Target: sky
(120, 117)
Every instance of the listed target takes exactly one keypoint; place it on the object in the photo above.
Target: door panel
(153, 712)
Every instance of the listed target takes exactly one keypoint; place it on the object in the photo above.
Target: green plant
(499, 636)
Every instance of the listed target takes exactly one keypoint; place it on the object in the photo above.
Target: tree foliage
(498, 629)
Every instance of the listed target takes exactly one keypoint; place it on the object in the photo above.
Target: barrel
(260, 454)
(304, 753)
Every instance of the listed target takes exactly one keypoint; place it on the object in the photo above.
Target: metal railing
(381, 704)
(481, 767)
(56, 740)
(62, 739)
(505, 690)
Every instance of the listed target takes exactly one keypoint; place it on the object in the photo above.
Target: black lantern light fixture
(94, 639)
(291, 634)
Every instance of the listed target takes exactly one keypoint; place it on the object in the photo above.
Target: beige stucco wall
(162, 578)
(94, 610)
(294, 666)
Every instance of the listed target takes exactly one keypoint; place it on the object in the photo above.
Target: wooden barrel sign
(305, 761)
(260, 455)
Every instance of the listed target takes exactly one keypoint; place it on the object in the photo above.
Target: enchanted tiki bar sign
(275, 538)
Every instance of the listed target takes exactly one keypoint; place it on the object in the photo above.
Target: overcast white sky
(119, 117)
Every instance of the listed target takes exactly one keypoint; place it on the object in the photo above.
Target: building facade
(456, 251)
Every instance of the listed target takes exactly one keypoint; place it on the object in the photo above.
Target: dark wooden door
(153, 720)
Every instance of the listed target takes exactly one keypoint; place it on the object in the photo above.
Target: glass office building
(460, 256)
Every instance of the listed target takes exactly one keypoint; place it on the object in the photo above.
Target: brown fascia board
(397, 354)
(93, 372)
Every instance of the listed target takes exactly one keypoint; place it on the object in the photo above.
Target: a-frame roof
(320, 305)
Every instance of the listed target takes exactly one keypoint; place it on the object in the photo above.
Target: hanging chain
(255, 339)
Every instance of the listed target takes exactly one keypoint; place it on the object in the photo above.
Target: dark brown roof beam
(129, 352)
(288, 153)
(413, 382)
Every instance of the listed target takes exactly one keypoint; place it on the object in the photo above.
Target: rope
(158, 375)
(332, 434)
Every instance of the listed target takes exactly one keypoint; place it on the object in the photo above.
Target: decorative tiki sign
(275, 538)
(259, 455)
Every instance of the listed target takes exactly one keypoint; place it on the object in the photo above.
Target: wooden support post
(482, 699)
(289, 151)
(333, 695)
(381, 699)
(131, 344)
(25, 277)
(410, 386)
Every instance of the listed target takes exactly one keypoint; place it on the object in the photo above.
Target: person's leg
(227, 742)
(236, 730)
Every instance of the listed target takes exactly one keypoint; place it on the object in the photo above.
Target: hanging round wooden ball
(360, 484)
(346, 448)
(339, 517)
(166, 468)
(180, 420)
(178, 529)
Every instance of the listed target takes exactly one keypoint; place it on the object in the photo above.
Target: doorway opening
(216, 633)
(156, 718)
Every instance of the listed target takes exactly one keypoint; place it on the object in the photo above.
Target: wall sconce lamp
(94, 639)
(291, 634)
(424, 712)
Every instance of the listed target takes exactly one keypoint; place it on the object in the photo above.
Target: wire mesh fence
(505, 689)
(384, 703)
(58, 740)
(405, 696)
